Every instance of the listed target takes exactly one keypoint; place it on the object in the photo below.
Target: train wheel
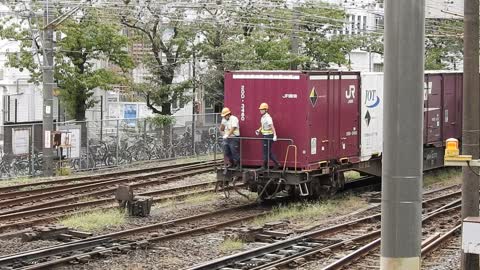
(326, 186)
(269, 190)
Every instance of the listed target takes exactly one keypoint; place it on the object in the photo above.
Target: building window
(358, 24)
(352, 24)
(364, 23)
(377, 67)
(379, 22)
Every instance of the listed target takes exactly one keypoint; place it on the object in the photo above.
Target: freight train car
(327, 122)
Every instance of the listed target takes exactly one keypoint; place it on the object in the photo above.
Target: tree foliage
(443, 44)
(85, 40)
(166, 33)
(247, 35)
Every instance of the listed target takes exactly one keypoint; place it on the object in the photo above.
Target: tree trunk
(80, 117)
(167, 129)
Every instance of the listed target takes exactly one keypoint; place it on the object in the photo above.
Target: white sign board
(48, 139)
(73, 140)
(21, 141)
(114, 111)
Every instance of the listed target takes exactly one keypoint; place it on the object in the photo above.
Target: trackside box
(318, 110)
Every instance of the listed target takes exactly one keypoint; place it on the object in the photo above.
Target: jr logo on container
(350, 94)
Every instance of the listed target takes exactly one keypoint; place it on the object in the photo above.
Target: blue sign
(130, 112)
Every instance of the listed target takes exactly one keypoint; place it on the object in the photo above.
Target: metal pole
(268, 155)
(118, 141)
(101, 118)
(47, 91)
(193, 101)
(216, 139)
(9, 99)
(402, 133)
(369, 60)
(471, 124)
(16, 110)
(58, 111)
(32, 159)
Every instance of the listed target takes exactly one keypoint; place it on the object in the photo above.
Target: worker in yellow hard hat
(267, 129)
(231, 131)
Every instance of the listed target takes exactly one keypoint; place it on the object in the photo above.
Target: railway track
(440, 252)
(42, 212)
(50, 185)
(434, 225)
(102, 245)
(95, 190)
(19, 220)
(328, 244)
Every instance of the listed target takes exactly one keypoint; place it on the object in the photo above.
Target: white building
(364, 16)
(22, 100)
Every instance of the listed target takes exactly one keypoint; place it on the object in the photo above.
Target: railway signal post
(471, 124)
(402, 133)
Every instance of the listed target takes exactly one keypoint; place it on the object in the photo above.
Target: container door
(450, 121)
(432, 108)
(319, 120)
(348, 115)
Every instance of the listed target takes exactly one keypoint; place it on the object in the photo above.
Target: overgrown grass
(95, 221)
(303, 213)
(17, 181)
(64, 171)
(351, 175)
(196, 158)
(443, 177)
(230, 244)
(200, 198)
(86, 199)
(165, 204)
(29, 188)
(189, 200)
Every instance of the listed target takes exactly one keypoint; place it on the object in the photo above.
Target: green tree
(248, 35)
(84, 41)
(443, 43)
(165, 31)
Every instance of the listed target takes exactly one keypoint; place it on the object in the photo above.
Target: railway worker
(267, 129)
(231, 130)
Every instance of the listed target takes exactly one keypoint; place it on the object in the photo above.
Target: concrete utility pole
(194, 88)
(402, 133)
(47, 90)
(471, 124)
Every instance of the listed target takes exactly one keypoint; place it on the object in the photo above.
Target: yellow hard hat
(225, 111)
(263, 106)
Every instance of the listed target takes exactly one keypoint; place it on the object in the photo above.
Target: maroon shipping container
(319, 111)
(443, 107)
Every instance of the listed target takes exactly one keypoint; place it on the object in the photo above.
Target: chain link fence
(95, 144)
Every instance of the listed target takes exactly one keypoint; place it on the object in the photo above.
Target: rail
(241, 139)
